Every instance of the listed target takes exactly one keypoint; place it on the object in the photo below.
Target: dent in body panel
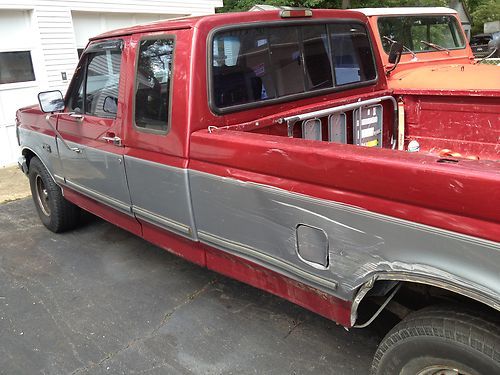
(160, 195)
(245, 215)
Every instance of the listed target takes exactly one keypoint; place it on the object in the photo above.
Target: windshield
(443, 31)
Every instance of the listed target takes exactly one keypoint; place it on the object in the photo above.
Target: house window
(16, 67)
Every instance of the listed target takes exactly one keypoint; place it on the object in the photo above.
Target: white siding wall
(54, 46)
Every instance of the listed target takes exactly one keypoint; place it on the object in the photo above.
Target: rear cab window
(253, 66)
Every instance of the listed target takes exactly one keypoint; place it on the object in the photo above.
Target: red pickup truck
(263, 146)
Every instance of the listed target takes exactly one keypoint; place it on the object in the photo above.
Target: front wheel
(55, 212)
(440, 341)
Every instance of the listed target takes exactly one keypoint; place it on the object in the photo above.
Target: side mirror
(110, 105)
(51, 101)
(395, 52)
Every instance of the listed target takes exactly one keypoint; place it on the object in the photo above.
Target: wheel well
(28, 154)
(412, 296)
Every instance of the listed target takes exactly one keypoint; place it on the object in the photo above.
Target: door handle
(76, 116)
(117, 141)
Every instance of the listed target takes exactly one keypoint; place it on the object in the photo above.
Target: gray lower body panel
(160, 195)
(260, 223)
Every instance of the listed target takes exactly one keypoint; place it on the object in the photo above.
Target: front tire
(440, 341)
(55, 212)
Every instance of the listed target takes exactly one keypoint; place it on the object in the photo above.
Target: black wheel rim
(42, 196)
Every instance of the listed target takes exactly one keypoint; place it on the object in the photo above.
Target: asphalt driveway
(100, 300)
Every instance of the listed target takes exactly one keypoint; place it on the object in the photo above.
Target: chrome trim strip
(113, 203)
(465, 290)
(58, 179)
(270, 262)
(161, 221)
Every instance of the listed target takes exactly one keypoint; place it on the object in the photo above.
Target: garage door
(89, 24)
(18, 84)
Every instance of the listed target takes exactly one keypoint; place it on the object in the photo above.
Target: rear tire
(440, 341)
(55, 212)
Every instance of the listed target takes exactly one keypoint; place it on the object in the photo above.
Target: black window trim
(165, 36)
(106, 45)
(461, 30)
(336, 88)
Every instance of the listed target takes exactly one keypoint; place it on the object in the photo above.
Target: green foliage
(481, 10)
(243, 5)
(486, 11)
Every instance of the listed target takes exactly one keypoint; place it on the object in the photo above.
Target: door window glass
(94, 89)
(101, 90)
(153, 83)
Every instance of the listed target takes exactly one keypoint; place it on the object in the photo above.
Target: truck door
(156, 135)
(91, 126)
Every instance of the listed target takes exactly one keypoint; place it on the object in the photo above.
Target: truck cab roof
(227, 18)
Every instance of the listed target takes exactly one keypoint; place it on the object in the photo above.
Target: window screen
(252, 65)
(153, 78)
(16, 67)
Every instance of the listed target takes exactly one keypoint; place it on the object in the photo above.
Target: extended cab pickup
(263, 146)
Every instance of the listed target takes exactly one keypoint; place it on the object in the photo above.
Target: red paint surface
(117, 218)
(321, 303)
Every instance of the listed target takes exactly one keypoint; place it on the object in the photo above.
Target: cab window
(255, 65)
(153, 84)
(94, 90)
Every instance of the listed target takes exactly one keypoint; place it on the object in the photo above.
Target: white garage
(40, 42)
(18, 71)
